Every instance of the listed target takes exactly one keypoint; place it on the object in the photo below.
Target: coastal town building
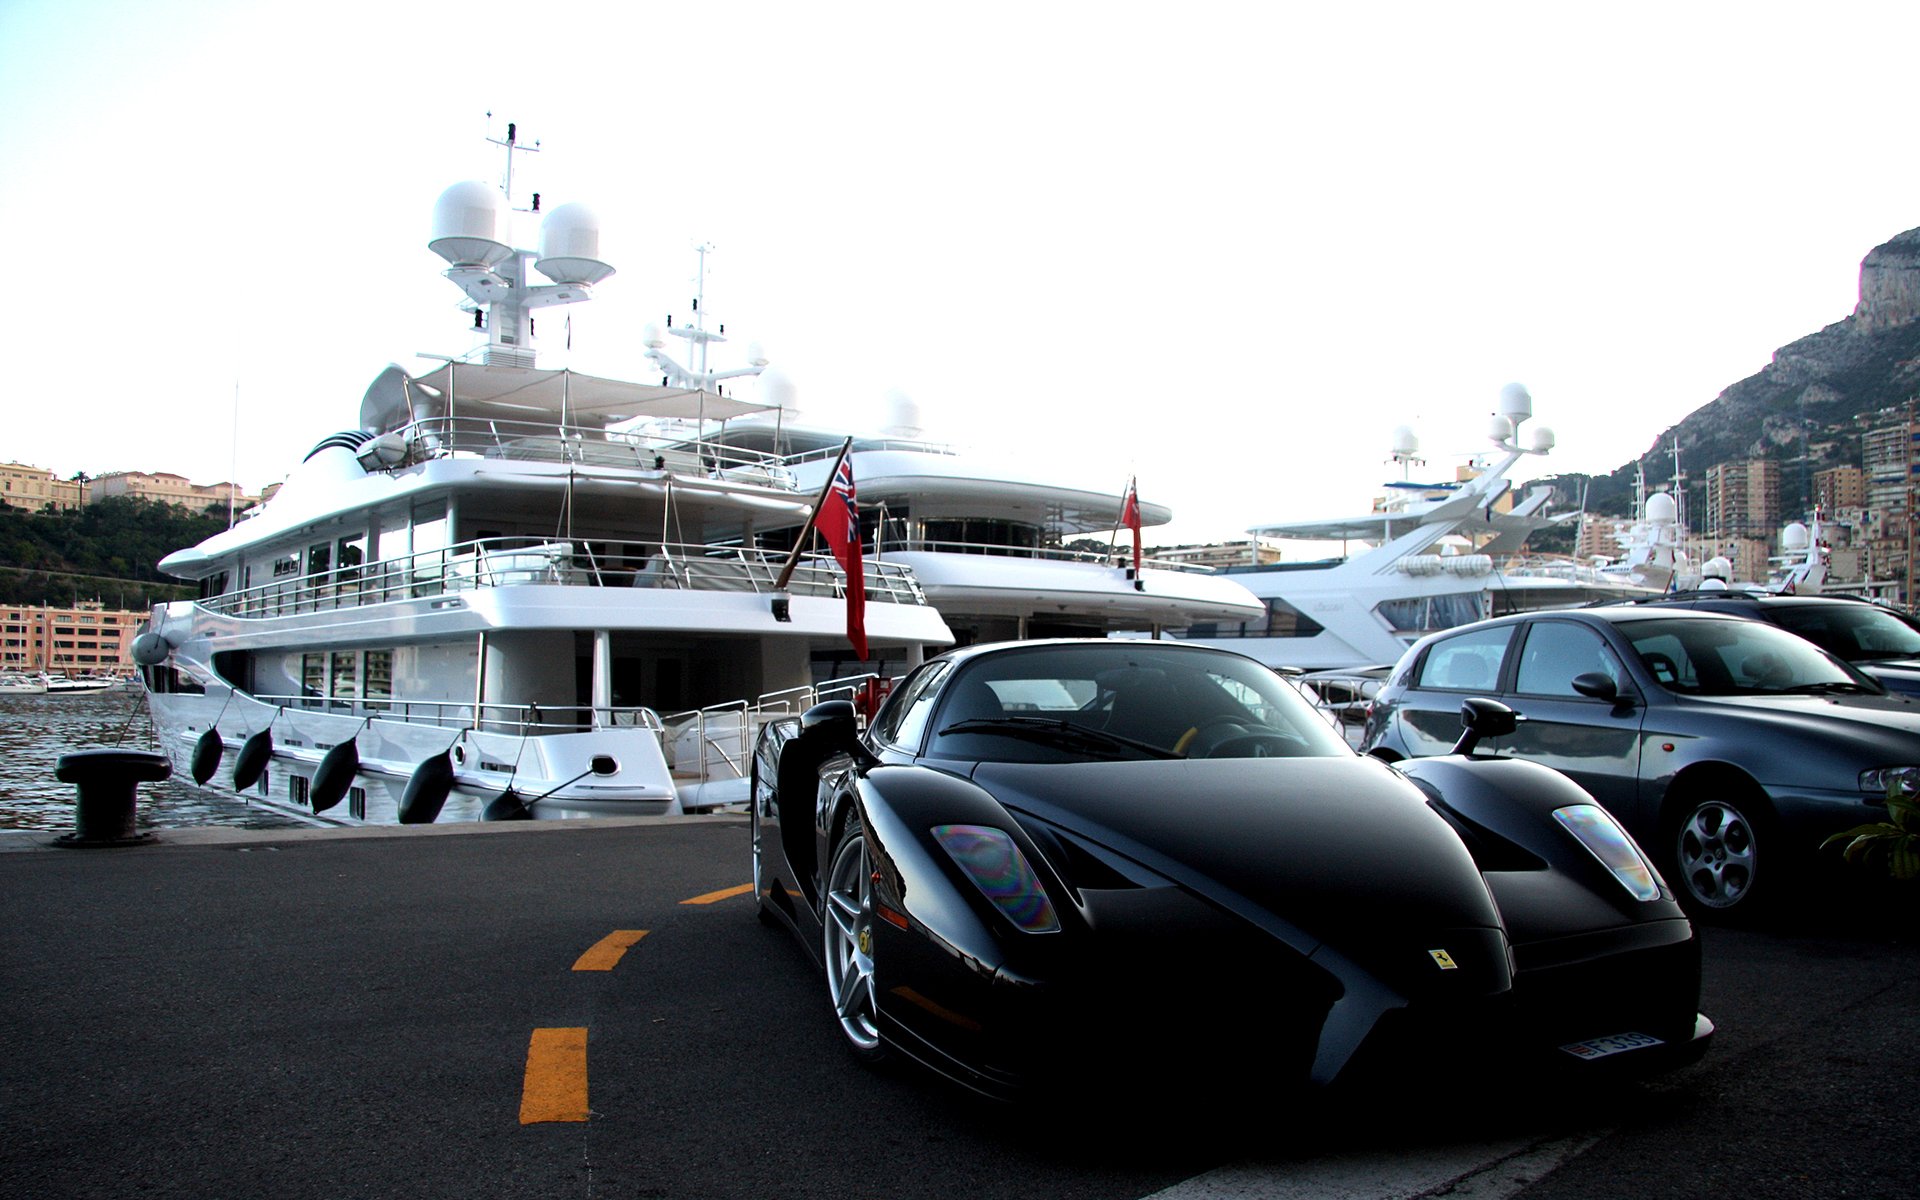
(168, 488)
(36, 488)
(86, 639)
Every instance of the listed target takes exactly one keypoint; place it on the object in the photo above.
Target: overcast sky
(1227, 247)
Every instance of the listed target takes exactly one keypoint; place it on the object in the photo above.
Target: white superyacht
(499, 595)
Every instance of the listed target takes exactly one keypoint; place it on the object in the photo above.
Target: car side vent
(1086, 865)
(1490, 851)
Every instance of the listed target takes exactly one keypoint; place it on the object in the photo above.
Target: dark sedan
(1880, 641)
(1061, 861)
(1728, 746)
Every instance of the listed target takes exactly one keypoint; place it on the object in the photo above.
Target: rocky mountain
(1808, 406)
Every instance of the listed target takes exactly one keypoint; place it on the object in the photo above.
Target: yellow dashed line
(715, 897)
(603, 954)
(556, 1080)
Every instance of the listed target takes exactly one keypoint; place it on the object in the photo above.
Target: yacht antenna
(696, 333)
(510, 144)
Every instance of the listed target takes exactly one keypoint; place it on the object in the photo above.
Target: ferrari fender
(1504, 808)
(901, 806)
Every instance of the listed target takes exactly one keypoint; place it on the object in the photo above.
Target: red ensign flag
(1130, 517)
(839, 523)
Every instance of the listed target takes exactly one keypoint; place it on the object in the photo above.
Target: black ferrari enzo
(1155, 858)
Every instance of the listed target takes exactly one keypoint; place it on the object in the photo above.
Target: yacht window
(379, 678)
(286, 564)
(1430, 614)
(319, 558)
(346, 675)
(313, 675)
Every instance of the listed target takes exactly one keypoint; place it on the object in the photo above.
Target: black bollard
(107, 781)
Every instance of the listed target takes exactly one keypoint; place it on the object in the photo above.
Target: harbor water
(36, 730)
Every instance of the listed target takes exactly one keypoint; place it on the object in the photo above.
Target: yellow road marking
(603, 954)
(556, 1082)
(726, 894)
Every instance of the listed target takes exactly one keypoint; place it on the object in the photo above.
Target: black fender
(1503, 809)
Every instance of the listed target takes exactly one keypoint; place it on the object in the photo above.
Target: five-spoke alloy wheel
(848, 932)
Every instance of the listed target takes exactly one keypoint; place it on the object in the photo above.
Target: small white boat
(19, 683)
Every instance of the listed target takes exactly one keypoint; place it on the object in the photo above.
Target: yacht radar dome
(903, 415)
(1499, 428)
(466, 226)
(777, 389)
(652, 338)
(1540, 440)
(1405, 444)
(1516, 403)
(1661, 509)
(570, 246)
(1793, 538)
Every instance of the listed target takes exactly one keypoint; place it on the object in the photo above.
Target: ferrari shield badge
(1444, 960)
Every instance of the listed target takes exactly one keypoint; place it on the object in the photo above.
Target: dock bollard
(108, 781)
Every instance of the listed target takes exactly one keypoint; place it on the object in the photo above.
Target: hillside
(105, 551)
(1818, 393)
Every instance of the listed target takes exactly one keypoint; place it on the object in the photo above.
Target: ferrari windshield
(1123, 701)
(1738, 657)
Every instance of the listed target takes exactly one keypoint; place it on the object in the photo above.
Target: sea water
(36, 730)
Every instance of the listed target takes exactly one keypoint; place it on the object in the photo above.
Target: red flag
(1130, 517)
(839, 522)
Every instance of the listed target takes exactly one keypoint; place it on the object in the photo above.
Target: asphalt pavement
(357, 1013)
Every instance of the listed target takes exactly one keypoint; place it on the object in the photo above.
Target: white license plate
(1617, 1043)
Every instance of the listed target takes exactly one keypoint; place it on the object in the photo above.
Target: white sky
(1225, 246)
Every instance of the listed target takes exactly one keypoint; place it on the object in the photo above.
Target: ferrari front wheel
(848, 933)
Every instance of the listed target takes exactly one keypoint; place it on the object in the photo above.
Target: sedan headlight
(1606, 841)
(995, 865)
(1891, 782)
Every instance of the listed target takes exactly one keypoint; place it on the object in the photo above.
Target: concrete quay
(590, 1009)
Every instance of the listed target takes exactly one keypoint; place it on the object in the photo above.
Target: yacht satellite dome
(466, 226)
(1793, 538)
(1499, 428)
(1405, 444)
(756, 355)
(1516, 403)
(1661, 510)
(778, 390)
(1540, 440)
(652, 338)
(903, 415)
(570, 246)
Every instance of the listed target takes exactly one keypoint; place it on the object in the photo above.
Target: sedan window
(1470, 662)
(1728, 658)
(1556, 651)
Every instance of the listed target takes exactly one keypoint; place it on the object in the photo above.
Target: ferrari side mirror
(1483, 718)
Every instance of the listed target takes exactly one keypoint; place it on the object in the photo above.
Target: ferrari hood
(1319, 851)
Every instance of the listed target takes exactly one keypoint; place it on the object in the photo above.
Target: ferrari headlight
(1900, 782)
(1606, 841)
(995, 865)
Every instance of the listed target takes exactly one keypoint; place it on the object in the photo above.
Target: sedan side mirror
(1484, 718)
(1596, 684)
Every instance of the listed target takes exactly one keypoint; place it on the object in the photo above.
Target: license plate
(1617, 1043)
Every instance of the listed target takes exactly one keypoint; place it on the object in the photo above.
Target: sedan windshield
(1855, 632)
(1737, 657)
(1123, 701)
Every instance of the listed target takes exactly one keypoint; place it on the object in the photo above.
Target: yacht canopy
(502, 393)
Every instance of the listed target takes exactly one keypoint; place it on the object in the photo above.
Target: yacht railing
(716, 742)
(1117, 557)
(508, 562)
(578, 445)
(526, 720)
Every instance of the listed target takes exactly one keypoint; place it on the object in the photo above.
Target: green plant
(1894, 842)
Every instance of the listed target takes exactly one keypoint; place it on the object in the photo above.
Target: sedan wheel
(849, 944)
(1715, 855)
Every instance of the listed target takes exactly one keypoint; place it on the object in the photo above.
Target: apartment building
(34, 488)
(81, 640)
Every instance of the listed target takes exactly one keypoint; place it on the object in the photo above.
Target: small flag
(1130, 517)
(839, 523)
